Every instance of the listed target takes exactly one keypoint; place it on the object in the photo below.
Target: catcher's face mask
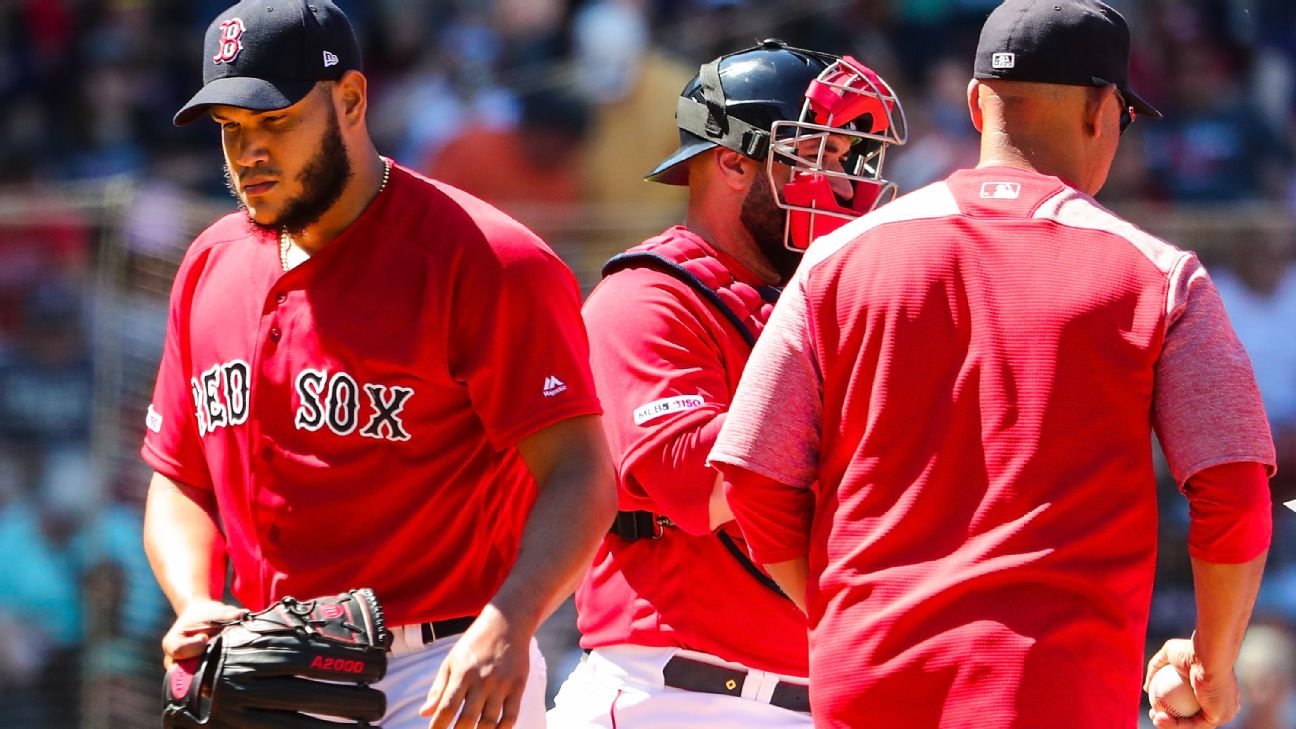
(846, 100)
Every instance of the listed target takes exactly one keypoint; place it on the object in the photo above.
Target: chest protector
(746, 307)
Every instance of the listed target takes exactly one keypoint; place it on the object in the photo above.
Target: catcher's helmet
(797, 98)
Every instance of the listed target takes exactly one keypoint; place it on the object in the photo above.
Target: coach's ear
(974, 103)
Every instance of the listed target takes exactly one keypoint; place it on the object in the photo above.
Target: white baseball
(1169, 692)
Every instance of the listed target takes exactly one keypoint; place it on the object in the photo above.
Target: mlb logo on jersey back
(1000, 190)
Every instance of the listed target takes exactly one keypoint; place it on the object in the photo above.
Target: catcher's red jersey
(960, 390)
(357, 417)
(667, 363)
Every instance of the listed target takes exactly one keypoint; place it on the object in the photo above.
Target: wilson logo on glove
(181, 676)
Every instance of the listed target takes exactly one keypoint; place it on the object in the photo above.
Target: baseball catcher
(282, 667)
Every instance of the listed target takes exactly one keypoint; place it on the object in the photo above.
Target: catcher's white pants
(621, 687)
(412, 667)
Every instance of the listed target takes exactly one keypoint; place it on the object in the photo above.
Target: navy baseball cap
(268, 54)
(1069, 42)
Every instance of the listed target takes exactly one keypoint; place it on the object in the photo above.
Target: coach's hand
(190, 632)
(484, 674)
(1217, 692)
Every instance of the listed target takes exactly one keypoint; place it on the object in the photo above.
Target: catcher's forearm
(575, 505)
(183, 542)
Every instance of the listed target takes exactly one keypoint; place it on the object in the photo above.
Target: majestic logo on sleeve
(231, 34)
(553, 386)
(334, 402)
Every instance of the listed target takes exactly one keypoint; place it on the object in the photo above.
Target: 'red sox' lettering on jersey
(222, 393)
(334, 401)
(221, 396)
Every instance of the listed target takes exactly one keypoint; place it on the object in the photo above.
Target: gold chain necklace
(285, 243)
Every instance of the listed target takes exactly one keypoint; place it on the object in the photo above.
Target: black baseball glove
(275, 668)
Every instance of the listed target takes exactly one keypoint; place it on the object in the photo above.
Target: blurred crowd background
(553, 110)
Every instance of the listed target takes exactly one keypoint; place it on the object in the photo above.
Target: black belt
(635, 525)
(444, 628)
(691, 675)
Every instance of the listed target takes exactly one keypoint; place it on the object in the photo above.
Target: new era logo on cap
(1003, 60)
(330, 59)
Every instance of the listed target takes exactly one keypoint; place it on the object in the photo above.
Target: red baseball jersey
(358, 416)
(960, 391)
(667, 363)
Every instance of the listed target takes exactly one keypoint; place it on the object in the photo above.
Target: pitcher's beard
(323, 180)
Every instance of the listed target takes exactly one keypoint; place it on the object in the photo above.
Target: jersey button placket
(275, 334)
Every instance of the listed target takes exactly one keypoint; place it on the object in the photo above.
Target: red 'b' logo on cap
(230, 45)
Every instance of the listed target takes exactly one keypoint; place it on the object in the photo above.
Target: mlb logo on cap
(1003, 60)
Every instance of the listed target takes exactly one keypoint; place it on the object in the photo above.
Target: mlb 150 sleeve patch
(666, 406)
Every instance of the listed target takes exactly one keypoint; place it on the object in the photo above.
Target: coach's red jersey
(973, 374)
(667, 363)
(357, 417)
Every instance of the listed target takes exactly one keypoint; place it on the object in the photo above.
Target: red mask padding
(809, 190)
(832, 104)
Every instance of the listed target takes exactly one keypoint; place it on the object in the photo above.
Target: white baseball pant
(622, 687)
(412, 667)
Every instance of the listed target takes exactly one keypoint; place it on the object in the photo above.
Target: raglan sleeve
(1211, 422)
(768, 447)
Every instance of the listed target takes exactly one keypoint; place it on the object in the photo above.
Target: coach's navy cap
(1071, 42)
(268, 54)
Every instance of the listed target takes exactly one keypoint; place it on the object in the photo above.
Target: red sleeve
(1229, 512)
(172, 441)
(517, 340)
(676, 476)
(775, 518)
(660, 369)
